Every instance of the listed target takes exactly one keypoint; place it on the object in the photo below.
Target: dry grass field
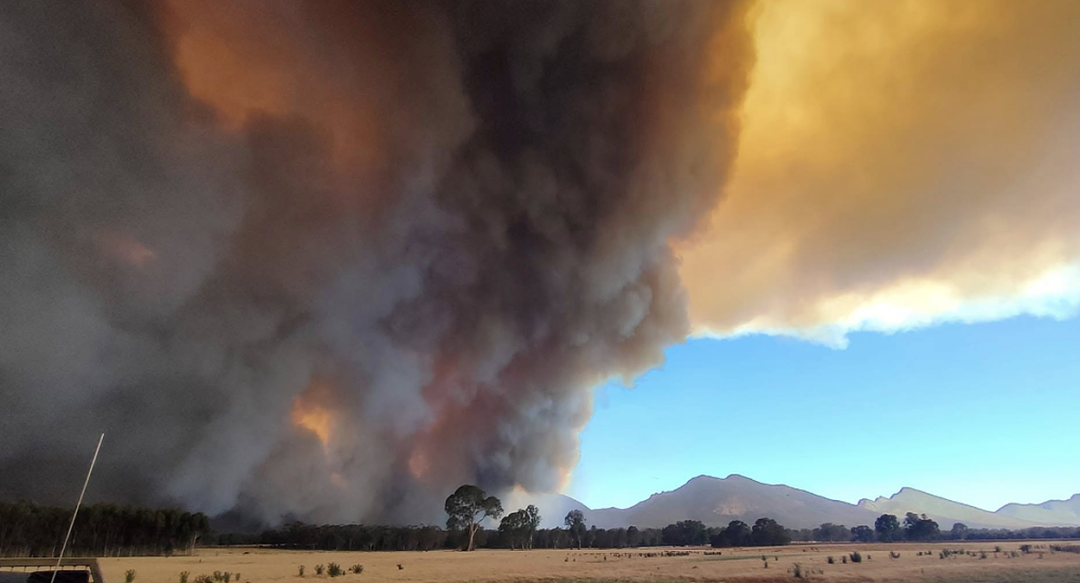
(257, 565)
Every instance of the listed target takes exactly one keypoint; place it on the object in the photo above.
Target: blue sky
(980, 413)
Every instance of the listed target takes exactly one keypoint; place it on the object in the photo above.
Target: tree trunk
(472, 533)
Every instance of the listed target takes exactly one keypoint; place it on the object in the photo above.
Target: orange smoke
(244, 62)
(900, 164)
(419, 464)
(309, 414)
(125, 248)
(338, 480)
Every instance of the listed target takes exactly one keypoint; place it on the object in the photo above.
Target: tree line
(356, 537)
(918, 527)
(359, 537)
(115, 530)
(469, 507)
(102, 530)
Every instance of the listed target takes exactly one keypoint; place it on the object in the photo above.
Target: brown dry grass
(258, 565)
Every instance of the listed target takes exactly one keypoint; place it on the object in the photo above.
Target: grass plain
(261, 565)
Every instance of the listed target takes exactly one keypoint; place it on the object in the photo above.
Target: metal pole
(77, 505)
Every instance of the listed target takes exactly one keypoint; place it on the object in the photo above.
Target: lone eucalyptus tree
(467, 507)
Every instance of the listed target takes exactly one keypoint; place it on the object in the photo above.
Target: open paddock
(261, 565)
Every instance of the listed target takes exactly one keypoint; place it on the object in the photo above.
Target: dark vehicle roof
(62, 576)
(40, 570)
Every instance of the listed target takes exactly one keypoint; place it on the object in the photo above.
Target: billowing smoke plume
(332, 259)
(900, 164)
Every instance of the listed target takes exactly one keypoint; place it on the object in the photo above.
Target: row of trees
(357, 537)
(351, 537)
(114, 530)
(102, 530)
(412, 538)
(469, 506)
(765, 532)
(917, 527)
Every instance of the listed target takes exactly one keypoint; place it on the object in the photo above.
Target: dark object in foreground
(62, 576)
(74, 570)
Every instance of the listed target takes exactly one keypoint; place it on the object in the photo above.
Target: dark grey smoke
(449, 276)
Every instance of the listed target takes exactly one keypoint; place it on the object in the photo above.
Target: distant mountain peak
(709, 478)
(701, 478)
(908, 490)
(717, 501)
(1062, 512)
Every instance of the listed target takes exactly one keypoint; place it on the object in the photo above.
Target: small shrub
(1025, 549)
(797, 571)
(894, 555)
(319, 569)
(184, 576)
(300, 571)
(334, 570)
(357, 569)
(237, 575)
(830, 560)
(997, 548)
(982, 554)
(400, 567)
(129, 575)
(204, 579)
(843, 559)
(855, 557)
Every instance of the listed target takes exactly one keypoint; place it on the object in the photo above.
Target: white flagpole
(77, 505)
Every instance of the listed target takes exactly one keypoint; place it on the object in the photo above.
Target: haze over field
(329, 260)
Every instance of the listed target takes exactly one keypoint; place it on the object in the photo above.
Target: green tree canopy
(518, 528)
(862, 534)
(888, 528)
(467, 507)
(831, 532)
(918, 527)
(575, 522)
(735, 534)
(685, 533)
(767, 531)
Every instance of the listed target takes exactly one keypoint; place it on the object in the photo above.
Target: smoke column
(329, 260)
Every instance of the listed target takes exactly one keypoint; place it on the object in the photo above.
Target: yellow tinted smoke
(901, 164)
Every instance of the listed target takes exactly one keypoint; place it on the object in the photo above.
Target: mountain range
(717, 501)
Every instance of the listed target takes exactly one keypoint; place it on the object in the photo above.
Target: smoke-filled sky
(900, 164)
(331, 259)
